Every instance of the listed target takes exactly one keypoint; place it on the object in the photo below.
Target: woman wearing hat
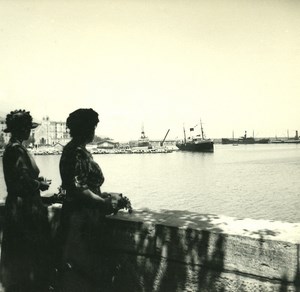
(84, 209)
(25, 250)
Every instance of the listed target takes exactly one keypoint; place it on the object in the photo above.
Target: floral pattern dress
(26, 245)
(82, 223)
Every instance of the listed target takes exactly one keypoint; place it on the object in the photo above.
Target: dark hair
(19, 120)
(82, 121)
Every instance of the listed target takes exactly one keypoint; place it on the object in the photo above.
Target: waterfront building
(166, 143)
(4, 137)
(50, 133)
(154, 143)
(47, 133)
(107, 144)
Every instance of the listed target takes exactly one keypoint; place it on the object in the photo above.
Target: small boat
(196, 143)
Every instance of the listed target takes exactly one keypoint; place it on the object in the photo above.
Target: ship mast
(184, 135)
(143, 136)
(201, 129)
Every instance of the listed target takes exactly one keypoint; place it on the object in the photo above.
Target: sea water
(244, 181)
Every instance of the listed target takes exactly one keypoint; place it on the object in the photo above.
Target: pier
(185, 251)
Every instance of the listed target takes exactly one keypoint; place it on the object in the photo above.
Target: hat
(19, 119)
(82, 118)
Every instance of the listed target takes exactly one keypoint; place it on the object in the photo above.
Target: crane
(162, 142)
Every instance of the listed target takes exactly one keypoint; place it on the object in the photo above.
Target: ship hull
(196, 147)
(245, 141)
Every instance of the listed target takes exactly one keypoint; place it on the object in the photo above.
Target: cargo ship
(196, 143)
(245, 140)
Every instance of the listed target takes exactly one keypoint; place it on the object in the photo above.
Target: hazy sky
(234, 64)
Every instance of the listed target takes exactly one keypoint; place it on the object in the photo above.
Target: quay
(110, 151)
(175, 250)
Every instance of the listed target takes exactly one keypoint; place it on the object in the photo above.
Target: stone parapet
(171, 250)
(174, 250)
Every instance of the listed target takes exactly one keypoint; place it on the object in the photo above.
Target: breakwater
(185, 251)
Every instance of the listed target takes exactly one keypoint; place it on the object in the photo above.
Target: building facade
(107, 144)
(4, 137)
(47, 133)
(50, 133)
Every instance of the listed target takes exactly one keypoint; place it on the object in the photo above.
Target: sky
(159, 64)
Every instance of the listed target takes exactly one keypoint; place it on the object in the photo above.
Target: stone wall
(183, 251)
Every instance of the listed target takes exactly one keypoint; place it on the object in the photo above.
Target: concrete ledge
(184, 251)
(265, 250)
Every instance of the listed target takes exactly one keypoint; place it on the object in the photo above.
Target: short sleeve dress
(26, 245)
(82, 223)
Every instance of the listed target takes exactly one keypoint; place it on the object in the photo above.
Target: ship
(196, 143)
(144, 141)
(294, 140)
(245, 140)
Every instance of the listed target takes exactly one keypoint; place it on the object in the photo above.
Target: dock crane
(162, 142)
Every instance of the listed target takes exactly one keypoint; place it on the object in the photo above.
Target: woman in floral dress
(26, 260)
(84, 209)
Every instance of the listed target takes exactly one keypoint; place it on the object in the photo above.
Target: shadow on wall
(164, 251)
(147, 251)
(284, 287)
(186, 258)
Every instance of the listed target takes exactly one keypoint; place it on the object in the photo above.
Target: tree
(98, 139)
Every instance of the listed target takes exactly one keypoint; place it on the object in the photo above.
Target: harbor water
(244, 181)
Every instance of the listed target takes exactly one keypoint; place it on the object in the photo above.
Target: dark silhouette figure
(26, 246)
(83, 255)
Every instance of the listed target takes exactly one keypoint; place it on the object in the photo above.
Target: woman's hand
(116, 201)
(119, 202)
(44, 183)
